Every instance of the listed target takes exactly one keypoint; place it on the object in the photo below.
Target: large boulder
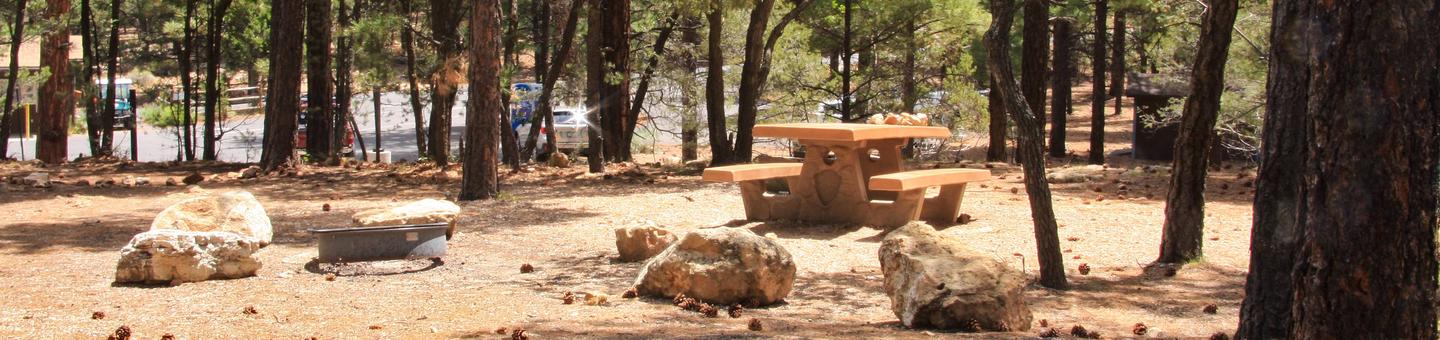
(175, 256)
(640, 243)
(417, 212)
(237, 212)
(935, 281)
(721, 266)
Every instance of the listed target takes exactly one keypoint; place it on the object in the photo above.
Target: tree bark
(57, 99)
(212, 75)
(320, 120)
(999, 127)
(847, 36)
(909, 91)
(344, 80)
(16, 34)
(1117, 62)
(556, 66)
(509, 149)
(613, 27)
(1181, 240)
(445, 18)
(1060, 102)
(1097, 102)
(594, 77)
(1034, 48)
(107, 121)
(283, 96)
(1031, 152)
(758, 48)
(187, 83)
(721, 150)
(1362, 261)
(482, 128)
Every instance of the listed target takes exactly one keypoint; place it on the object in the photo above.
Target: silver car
(572, 131)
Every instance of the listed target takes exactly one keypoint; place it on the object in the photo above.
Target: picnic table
(851, 173)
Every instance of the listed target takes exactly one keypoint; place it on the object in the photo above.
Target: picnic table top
(848, 132)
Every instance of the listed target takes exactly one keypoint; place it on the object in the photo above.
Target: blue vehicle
(124, 111)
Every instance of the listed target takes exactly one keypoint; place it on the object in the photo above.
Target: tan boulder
(935, 281)
(721, 266)
(175, 256)
(417, 212)
(641, 243)
(237, 211)
(559, 160)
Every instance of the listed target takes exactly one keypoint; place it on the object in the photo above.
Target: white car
(572, 131)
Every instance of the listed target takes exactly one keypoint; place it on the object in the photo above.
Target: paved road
(241, 141)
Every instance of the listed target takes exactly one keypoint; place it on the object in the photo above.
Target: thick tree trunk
(1097, 102)
(214, 44)
(445, 18)
(1031, 152)
(407, 42)
(758, 49)
(1034, 50)
(1356, 231)
(613, 27)
(283, 95)
(1117, 62)
(1181, 240)
(57, 99)
(320, 121)
(721, 151)
(16, 34)
(637, 105)
(1064, 71)
(999, 126)
(594, 70)
(482, 128)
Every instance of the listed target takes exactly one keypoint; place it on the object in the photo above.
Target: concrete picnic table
(852, 173)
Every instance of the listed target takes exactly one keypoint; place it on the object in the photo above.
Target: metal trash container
(416, 241)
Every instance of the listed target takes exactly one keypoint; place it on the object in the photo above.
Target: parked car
(301, 135)
(124, 111)
(572, 132)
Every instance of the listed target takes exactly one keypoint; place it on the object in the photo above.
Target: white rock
(721, 266)
(238, 212)
(174, 257)
(417, 212)
(935, 281)
(641, 243)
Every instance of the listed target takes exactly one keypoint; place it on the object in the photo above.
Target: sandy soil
(60, 247)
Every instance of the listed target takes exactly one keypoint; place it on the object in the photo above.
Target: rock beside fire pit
(417, 212)
(175, 256)
(935, 281)
(237, 212)
(641, 243)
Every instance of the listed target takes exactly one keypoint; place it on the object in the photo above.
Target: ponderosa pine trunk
(57, 99)
(847, 36)
(612, 24)
(445, 16)
(214, 43)
(107, 121)
(16, 34)
(320, 120)
(186, 52)
(758, 49)
(88, 72)
(1034, 50)
(1098, 94)
(509, 149)
(1352, 221)
(721, 151)
(482, 126)
(1117, 62)
(999, 125)
(1030, 152)
(287, 27)
(344, 79)
(1181, 240)
(638, 104)
(417, 108)
(1063, 73)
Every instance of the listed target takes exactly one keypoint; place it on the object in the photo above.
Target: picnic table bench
(851, 173)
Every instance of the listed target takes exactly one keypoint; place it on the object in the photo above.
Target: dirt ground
(61, 244)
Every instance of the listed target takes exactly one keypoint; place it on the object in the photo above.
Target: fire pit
(401, 242)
